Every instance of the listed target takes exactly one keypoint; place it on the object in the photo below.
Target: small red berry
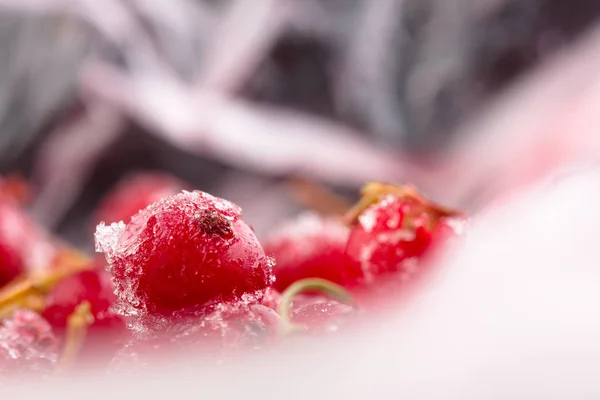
(134, 193)
(27, 345)
(183, 253)
(95, 287)
(108, 330)
(311, 247)
(390, 237)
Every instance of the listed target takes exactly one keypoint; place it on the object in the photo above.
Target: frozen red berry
(229, 330)
(311, 246)
(390, 237)
(27, 345)
(183, 253)
(95, 287)
(234, 326)
(134, 193)
(108, 332)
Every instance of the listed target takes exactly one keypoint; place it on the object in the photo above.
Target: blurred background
(247, 99)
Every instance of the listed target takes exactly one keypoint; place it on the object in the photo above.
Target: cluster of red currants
(187, 274)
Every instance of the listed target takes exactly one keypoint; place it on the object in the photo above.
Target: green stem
(77, 327)
(309, 285)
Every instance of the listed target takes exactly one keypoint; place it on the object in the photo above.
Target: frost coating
(107, 237)
(27, 344)
(228, 329)
(390, 237)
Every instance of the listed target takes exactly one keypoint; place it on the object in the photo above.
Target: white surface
(515, 314)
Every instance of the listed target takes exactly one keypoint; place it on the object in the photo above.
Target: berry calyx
(310, 285)
(374, 192)
(183, 253)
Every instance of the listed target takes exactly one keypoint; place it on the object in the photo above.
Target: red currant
(390, 237)
(311, 247)
(93, 286)
(27, 344)
(183, 253)
(108, 331)
(135, 193)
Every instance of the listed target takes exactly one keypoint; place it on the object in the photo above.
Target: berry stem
(77, 325)
(372, 193)
(18, 292)
(308, 285)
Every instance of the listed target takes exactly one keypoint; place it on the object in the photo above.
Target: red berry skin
(320, 315)
(311, 247)
(95, 287)
(183, 253)
(107, 333)
(134, 193)
(27, 345)
(390, 237)
(23, 245)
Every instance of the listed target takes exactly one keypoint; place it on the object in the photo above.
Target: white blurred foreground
(514, 314)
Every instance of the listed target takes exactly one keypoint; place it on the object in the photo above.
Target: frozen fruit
(311, 247)
(27, 345)
(95, 287)
(234, 326)
(183, 253)
(134, 193)
(229, 330)
(23, 245)
(389, 237)
(393, 228)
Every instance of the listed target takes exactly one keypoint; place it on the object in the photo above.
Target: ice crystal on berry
(27, 345)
